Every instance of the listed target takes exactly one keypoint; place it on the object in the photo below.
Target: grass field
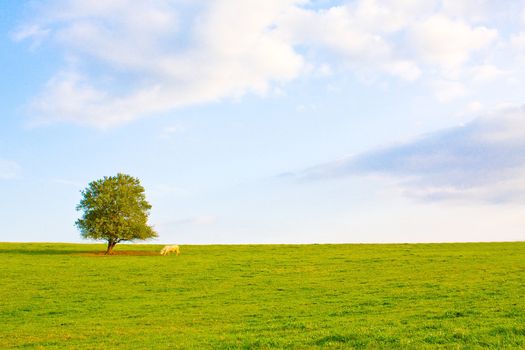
(407, 296)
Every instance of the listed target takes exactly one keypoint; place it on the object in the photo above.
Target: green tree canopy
(115, 210)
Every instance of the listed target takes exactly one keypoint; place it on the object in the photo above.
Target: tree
(115, 210)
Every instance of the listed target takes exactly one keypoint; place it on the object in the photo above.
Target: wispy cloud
(32, 32)
(482, 160)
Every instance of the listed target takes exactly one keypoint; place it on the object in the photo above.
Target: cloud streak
(482, 160)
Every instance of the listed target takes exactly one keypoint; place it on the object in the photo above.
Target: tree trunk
(111, 245)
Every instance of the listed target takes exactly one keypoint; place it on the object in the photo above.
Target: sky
(275, 121)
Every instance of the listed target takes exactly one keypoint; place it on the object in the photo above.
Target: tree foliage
(115, 209)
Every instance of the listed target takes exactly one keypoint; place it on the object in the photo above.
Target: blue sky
(285, 121)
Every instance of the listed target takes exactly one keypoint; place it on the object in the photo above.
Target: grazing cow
(170, 249)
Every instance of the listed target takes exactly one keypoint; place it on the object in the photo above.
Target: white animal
(170, 249)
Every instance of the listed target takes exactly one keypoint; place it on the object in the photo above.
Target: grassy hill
(406, 296)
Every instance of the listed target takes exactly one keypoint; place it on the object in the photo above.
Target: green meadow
(391, 296)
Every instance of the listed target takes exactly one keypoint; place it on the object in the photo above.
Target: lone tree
(115, 210)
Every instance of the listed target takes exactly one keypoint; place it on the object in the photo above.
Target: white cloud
(337, 30)
(523, 16)
(357, 34)
(130, 59)
(472, 108)
(228, 56)
(324, 70)
(8, 169)
(404, 69)
(473, 10)
(448, 90)
(518, 42)
(449, 43)
(486, 73)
